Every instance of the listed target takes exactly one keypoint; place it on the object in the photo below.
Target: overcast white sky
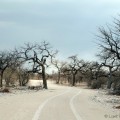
(69, 25)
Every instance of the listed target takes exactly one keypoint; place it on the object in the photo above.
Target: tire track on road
(39, 110)
(76, 114)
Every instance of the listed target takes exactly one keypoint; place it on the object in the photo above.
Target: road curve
(72, 104)
(56, 103)
(59, 107)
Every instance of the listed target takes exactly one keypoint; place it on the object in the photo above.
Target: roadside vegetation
(31, 61)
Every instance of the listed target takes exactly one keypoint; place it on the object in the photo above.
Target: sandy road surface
(57, 103)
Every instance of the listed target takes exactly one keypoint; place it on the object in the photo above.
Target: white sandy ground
(56, 103)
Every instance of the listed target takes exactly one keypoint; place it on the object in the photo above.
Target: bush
(5, 90)
(116, 90)
(96, 84)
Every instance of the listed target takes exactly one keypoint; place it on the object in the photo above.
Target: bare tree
(92, 71)
(74, 66)
(6, 60)
(110, 39)
(59, 65)
(23, 76)
(36, 57)
(111, 62)
(10, 76)
(110, 47)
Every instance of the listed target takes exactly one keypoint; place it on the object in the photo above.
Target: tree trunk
(44, 77)
(1, 80)
(24, 82)
(7, 80)
(109, 83)
(20, 81)
(58, 80)
(73, 81)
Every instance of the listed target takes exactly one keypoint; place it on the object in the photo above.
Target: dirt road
(56, 103)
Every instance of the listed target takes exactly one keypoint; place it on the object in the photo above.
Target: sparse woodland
(31, 61)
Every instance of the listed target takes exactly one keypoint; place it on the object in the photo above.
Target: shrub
(5, 90)
(96, 84)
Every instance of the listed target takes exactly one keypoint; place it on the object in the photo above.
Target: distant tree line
(103, 73)
(30, 60)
